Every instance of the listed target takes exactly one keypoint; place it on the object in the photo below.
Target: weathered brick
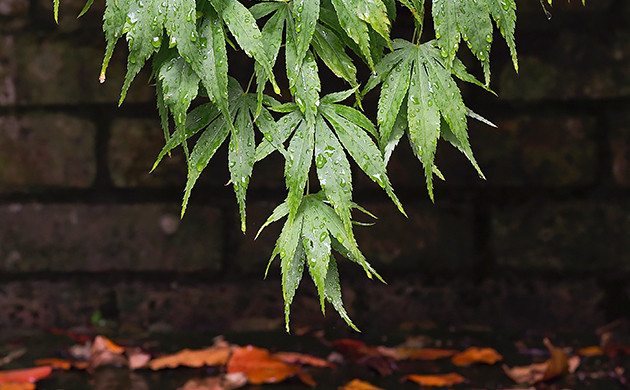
(89, 23)
(134, 145)
(40, 149)
(56, 71)
(133, 148)
(567, 236)
(8, 70)
(569, 64)
(539, 151)
(432, 237)
(117, 237)
(508, 303)
(620, 148)
(13, 14)
(251, 256)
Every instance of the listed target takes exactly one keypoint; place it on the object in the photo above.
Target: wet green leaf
(298, 164)
(504, 14)
(305, 14)
(356, 29)
(179, 85)
(241, 156)
(317, 250)
(330, 49)
(332, 290)
(393, 91)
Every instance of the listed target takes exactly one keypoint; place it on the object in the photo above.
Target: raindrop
(339, 238)
(156, 42)
(320, 161)
(489, 38)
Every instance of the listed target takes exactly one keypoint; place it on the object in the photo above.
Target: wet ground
(595, 372)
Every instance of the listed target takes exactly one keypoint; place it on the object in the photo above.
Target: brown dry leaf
(556, 365)
(476, 355)
(261, 367)
(439, 380)
(357, 384)
(300, 358)
(17, 386)
(212, 356)
(226, 382)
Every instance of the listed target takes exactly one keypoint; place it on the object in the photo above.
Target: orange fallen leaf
(101, 343)
(60, 364)
(439, 380)
(300, 358)
(17, 386)
(25, 375)
(556, 365)
(357, 384)
(261, 367)
(212, 356)
(476, 355)
(593, 350)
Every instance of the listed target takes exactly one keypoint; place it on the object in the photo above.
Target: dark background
(544, 243)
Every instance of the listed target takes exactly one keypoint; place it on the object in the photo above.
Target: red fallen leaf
(556, 365)
(25, 375)
(80, 338)
(476, 355)
(212, 356)
(381, 359)
(300, 358)
(357, 384)
(261, 367)
(17, 386)
(439, 380)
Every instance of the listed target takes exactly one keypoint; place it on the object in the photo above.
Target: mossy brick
(40, 150)
(133, 147)
(563, 236)
(569, 63)
(620, 148)
(143, 237)
(543, 151)
(431, 238)
(56, 72)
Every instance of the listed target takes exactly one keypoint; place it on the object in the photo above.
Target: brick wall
(545, 240)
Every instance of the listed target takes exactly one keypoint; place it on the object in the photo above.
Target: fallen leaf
(593, 350)
(25, 375)
(573, 363)
(439, 380)
(426, 353)
(212, 356)
(17, 386)
(476, 355)
(357, 384)
(105, 352)
(226, 382)
(300, 358)
(380, 359)
(137, 358)
(103, 343)
(60, 364)
(556, 365)
(261, 367)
